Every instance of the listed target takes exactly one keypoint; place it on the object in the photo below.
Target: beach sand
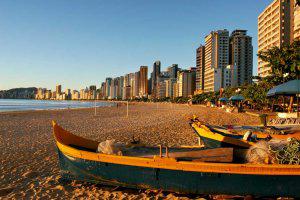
(29, 165)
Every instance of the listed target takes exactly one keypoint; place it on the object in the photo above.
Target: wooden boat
(218, 136)
(79, 160)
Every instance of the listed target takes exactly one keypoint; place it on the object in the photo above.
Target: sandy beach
(29, 165)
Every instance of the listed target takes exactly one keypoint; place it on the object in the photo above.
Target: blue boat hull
(178, 180)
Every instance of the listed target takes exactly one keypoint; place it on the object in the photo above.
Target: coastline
(67, 107)
(29, 165)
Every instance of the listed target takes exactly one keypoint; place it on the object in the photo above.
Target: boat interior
(186, 153)
(257, 132)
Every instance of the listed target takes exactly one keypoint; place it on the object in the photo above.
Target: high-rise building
(107, 87)
(200, 65)
(172, 70)
(102, 90)
(67, 94)
(274, 29)
(143, 81)
(136, 85)
(155, 75)
(41, 93)
(112, 88)
(216, 57)
(170, 87)
(58, 90)
(296, 19)
(161, 90)
(132, 83)
(161, 85)
(121, 86)
(126, 80)
(117, 88)
(186, 81)
(241, 57)
(126, 92)
(93, 87)
(75, 95)
(53, 95)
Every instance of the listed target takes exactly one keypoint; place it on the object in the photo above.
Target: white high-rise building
(274, 29)
(216, 59)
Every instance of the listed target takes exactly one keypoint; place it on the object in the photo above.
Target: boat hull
(177, 180)
(211, 143)
(212, 140)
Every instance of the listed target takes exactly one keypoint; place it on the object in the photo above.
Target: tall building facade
(155, 75)
(241, 57)
(143, 91)
(58, 90)
(172, 71)
(200, 65)
(296, 19)
(216, 59)
(170, 87)
(102, 90)
(186, 82)
(107, 87)
(275, 28)
(136, 85)
(132, 83)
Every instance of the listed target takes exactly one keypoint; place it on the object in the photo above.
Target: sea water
(29, 104)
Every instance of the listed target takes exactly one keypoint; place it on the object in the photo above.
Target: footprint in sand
(5, 191)
(30, 174)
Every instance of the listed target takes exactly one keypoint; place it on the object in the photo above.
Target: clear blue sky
(80, 42)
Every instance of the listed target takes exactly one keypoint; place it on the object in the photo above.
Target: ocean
(29, 104)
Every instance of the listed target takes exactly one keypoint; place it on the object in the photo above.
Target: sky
(78, 43)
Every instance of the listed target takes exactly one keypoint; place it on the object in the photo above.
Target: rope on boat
(288, 154)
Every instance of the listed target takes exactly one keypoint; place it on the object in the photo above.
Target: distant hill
(18, 93)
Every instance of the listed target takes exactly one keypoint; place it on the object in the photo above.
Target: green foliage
(257, 94)
(18, 93)
(206, 97)
(181, 100)
(284, 63)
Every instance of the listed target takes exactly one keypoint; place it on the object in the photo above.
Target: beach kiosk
(236, 100)
(291, 89)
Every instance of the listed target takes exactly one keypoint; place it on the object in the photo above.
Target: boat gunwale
(172, 164)
(219, 137)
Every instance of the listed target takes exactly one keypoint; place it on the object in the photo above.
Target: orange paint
(64, 138)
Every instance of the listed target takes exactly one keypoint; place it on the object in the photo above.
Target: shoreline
(54, 109)
(28, 158)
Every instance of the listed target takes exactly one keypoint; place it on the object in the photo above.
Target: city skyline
(87, 54)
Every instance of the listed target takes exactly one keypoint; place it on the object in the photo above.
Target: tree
(284, 62)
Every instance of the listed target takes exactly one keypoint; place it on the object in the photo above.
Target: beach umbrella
(288, 88)
(237, 98)
(223, 99)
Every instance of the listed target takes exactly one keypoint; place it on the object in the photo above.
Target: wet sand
(29, 165)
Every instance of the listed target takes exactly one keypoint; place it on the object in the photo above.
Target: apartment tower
(274, 29)
(155, 75)
(241, 57)
(143, 81)
(186, 80)
(58, 90)
(200, 65)
(107, 87)
(296, 19)
(216, 59)
(136, 84)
